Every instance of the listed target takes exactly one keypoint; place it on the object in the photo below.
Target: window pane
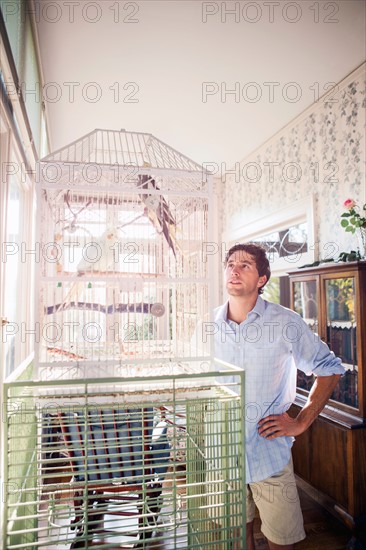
(342, 335)
(286, 242)
(31, 85)
(12, 274)
(271, 291)
(306, 305)
(14, 20)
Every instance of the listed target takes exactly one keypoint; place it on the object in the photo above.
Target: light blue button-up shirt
(270, 345)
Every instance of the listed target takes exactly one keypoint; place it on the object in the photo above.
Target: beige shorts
(279, 508)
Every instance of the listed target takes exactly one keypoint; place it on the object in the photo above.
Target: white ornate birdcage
(123, 275)
(131, 436)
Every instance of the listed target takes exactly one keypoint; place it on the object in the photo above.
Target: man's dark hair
(259, 254)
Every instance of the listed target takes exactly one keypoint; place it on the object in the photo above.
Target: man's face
(241, 275)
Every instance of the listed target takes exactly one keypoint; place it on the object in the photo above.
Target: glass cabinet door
(341, 335)
(306, 304)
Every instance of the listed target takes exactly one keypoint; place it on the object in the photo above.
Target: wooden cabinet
(330, 457)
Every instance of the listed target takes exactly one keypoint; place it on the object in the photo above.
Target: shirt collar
(258, 309)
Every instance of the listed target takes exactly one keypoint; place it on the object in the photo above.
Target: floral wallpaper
(320, 153)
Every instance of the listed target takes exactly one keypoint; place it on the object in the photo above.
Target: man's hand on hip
(278, 425)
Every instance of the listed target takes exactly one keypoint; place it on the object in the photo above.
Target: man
(270, 342)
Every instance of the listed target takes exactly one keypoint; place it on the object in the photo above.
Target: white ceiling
(169, 53)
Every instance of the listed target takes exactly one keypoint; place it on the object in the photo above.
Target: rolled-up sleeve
(312, 355)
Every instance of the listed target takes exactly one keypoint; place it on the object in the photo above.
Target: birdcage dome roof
(120, 147)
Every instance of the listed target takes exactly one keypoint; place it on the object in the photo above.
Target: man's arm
(273, 426)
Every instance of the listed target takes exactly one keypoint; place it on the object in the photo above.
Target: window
(18, 154)
(16, 262)
(12, 298)
(289, 242)
(287, 234)
(288, 237)
(271, 291)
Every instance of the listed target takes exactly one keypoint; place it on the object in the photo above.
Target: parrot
(158, 212)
